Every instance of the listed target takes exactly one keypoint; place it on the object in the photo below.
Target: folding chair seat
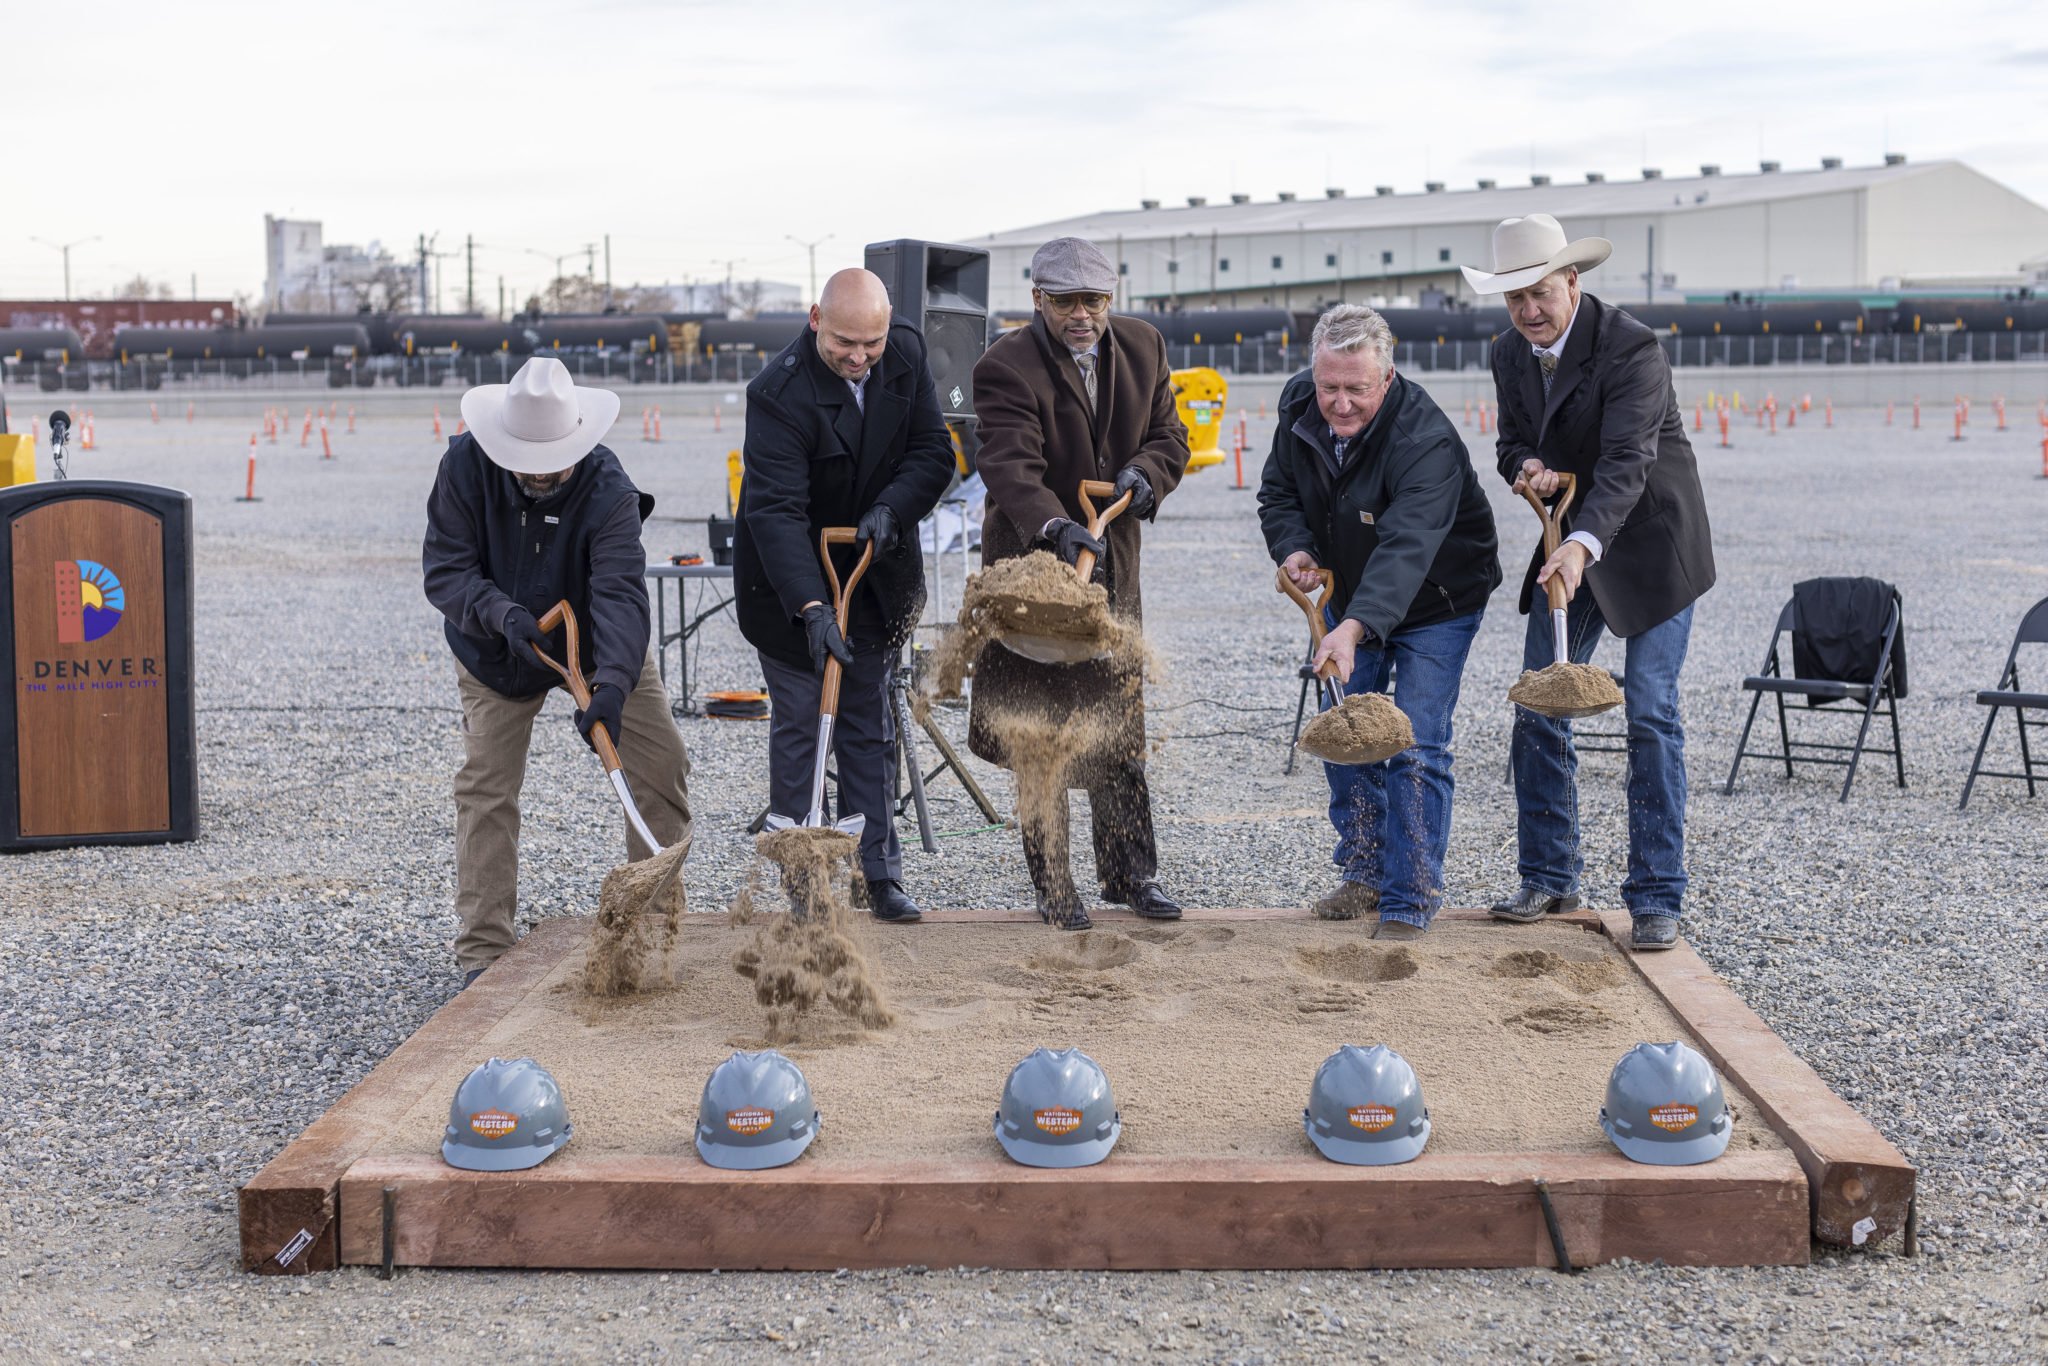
(1839, 626)
(2033, 630)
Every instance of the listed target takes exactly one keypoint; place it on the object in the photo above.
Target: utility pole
(501, 298)
(607, 272)
(195, 286)
(423, 273)
(590, 260)
(1650, 266)
(469, 286)
(812, 248)
(65, 248)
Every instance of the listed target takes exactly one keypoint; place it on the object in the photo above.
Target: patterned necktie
(1548, 360)
(1087, 364)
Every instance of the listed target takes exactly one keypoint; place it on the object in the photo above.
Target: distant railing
(1876, 348)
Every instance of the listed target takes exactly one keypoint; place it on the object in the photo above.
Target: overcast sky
(702, 132)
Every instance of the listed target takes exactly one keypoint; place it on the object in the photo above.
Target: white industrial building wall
(1951, 221)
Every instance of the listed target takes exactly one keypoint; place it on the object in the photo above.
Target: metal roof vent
(1148, 203)
(1539, 180)
(1333, 193)
(1488, 185)
(1831, 163)
(1196, 201)
(1595, 177)
(1767, 167)
(1287, 196)
(1652, 173)
(1894, 158)
(1432, 187)
(1383, 189)
(1240, 199)
(1708, 168)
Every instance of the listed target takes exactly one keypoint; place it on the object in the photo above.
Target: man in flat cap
(1078, 395)
(1587, 391)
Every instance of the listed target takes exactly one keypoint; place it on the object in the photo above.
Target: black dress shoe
(1653, 932)
(1065, 917)
(470, 977)
(890, 903)
(1531, 904)
(1148, 899)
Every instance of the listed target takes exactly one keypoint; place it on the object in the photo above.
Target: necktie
(1548, 360)
(1087, 364)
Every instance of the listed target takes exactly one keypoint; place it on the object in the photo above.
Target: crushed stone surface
(175, 1014)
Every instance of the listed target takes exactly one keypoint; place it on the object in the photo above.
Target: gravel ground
(180, 1012)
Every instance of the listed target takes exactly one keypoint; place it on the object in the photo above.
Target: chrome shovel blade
(633, 817)
(1052, 649)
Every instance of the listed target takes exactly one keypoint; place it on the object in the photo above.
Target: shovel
(1333, 696)
(1073, 649)
(1591, 689)
(1389, 732)
(828, 693)
(1567, 485)
(563, 615)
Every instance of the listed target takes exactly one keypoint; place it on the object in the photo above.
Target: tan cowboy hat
(541, 422)
(1527, 249)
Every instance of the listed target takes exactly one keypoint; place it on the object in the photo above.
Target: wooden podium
(97, 733)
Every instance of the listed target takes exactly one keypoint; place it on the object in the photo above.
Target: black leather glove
(524, 635)
(1130, 479)
(878, 524)
(1070, 538)
(823, 629)
(607, 705)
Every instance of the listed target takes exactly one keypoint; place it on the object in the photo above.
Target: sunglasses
(1068, 303)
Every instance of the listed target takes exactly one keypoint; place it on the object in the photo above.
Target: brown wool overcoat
(1038, 442)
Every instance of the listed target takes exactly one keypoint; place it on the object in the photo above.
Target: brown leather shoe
(1397, 930)
(1350, 901)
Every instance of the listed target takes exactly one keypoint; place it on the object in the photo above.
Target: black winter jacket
(489, 547)
(1403, 525)
(815, 460)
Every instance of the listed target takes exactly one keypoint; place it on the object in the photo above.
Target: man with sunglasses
(1078, 395)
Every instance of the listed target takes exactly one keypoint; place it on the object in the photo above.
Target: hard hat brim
(731, 1157)
(1363, 1153)
(518, 1159)
(1689, 1152)
(1059, 1155)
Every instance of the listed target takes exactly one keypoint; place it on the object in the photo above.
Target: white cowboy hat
(1527, 249)
(540, 422)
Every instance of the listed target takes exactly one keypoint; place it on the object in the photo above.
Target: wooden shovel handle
(1314, 609)
(1091, 489)
(564, 616)
(842, 605)
(1567, 485)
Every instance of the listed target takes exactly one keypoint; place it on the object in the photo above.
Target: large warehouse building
(1871, 229)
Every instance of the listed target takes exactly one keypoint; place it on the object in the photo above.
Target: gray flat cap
(1070, 265)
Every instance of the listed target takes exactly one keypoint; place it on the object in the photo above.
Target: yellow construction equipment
(734, 467)
(17, 459)
(1200, 396)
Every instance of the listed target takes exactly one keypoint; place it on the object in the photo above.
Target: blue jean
(1393, 818)
(1546, 765)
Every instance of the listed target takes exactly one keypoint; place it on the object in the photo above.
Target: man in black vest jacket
(1369, 480)
(529, 510)
(843, 429)
(1585, 389)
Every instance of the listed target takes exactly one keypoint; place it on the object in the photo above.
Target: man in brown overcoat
(1078, 395)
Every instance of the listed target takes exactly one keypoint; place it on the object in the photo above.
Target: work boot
(1397, 929)
(1066, 917)
(1531, 904)
(1148, 899)
(1649, 932)
(1350, 901)
(892, 906)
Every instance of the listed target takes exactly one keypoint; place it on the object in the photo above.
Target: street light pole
(65, 248)
(812, 248)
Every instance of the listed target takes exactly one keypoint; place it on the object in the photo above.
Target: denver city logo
(90, 601)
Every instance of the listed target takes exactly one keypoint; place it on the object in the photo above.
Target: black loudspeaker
(943, 291)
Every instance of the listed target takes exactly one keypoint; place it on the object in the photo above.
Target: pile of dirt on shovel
(633, 944)
(815, 952)
(1566, 690)
(1364, 729)
(1035, 594)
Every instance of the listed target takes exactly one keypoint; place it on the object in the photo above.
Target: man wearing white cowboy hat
(1587, 391)
(529, 510)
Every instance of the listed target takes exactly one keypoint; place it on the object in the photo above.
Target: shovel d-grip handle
(564, 616)
(1091, 489)
(1314, 608)
(1567, 485)
(842, 603)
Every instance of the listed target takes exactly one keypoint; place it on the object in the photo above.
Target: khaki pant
(495, 732)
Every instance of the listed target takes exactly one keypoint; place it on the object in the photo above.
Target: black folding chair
(2033, 631)
(1877, 695)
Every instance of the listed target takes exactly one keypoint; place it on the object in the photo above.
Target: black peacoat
(1612, 421)
(814, 459)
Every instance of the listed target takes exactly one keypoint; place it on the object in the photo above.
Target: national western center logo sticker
(493, 1123)
(1058, 1120)
(1675, 1117)
(749, 1119)
(1371, 1118)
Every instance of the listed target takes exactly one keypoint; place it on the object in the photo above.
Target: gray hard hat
(506, 1116)
(1365, 1108)
(1057, 1111)
(1664, 1106)
(756, 1113)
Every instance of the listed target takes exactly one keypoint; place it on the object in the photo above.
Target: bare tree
(571, 294)
(142, 287)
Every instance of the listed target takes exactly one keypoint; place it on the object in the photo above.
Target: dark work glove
(524, 635)
(608, 705)
(878, 524)
(1131, 479)
(1070, 538)
(823, 630)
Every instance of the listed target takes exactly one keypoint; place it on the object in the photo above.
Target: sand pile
(813, 953)
(1566, 691)
(638, 910)
(1364, 729)
(1035, 594)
